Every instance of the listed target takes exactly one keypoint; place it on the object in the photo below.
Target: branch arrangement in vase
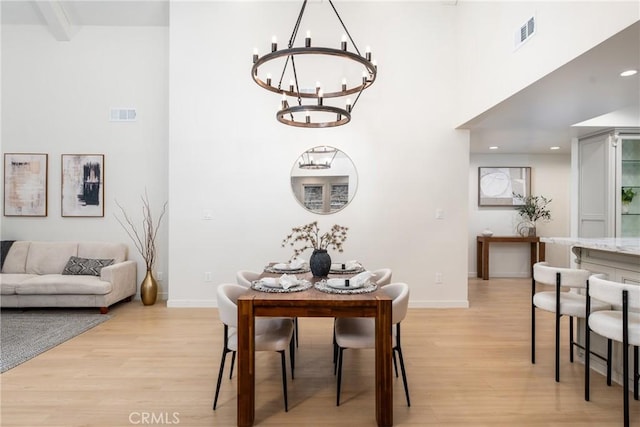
(533, 208)
(309, 237)
(144, 240)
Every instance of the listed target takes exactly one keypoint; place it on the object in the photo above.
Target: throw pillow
(85, 266)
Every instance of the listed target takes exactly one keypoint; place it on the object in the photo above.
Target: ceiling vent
(525, 32)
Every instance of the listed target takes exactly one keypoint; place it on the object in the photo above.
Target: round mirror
(324, 180)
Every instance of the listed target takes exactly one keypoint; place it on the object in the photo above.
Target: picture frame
(82, 186)
(25, 184)
(497, 185)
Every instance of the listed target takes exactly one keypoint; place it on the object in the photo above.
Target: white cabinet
(607, 163)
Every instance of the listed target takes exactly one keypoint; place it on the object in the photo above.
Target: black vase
(320, 263)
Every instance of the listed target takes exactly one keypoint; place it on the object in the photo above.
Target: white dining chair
(270, 335)
(571, 303)
(620, 323)
(245, 277)
(359, 333)
(382, 276)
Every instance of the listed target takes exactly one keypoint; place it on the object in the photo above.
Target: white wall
(56, 98)
(221, 150)
(229, 155)
(491, 69)
(550, 177)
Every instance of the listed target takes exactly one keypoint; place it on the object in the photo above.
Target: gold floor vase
(149, 289)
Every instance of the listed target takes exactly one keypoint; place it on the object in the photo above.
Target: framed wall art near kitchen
(497, 185)
(82, 185)
(25, 184)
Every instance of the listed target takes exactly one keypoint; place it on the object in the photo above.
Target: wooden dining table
(314, 303)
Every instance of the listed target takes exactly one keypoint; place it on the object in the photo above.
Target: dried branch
(144, 241)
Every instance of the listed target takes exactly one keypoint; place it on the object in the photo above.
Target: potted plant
(532, 209)
(145, 243)
(627, 198)
(308, 237)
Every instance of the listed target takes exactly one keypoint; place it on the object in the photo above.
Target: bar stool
(570, 303)
(621, 323)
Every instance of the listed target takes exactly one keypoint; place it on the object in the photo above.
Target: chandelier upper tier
(317, 79)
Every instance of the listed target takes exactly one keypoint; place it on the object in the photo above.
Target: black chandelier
(317, 158)
(317, 113)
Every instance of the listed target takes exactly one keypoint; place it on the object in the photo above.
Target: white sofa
(32, 275)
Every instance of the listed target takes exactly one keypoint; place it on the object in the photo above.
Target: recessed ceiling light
(493, 147)
(555, 147)
(628, 73)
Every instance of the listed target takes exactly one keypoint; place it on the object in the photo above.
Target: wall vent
(123, 115)
(525, 32)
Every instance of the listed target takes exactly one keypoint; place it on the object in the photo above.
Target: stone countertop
(627, 245)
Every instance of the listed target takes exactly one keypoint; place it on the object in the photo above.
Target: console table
(483, 244)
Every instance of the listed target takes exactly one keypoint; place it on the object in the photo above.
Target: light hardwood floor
(466, 367)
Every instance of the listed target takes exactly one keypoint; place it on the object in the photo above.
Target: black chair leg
(224, 357)
(395, 363)
(284, 380)
(339, 366)
(404, 375)
(233, 361)
(571, 339)
(533, 323)
(292, 357)
(295, 327)
(587, 357)
(609, 351)
(557, 347)
(636, 373)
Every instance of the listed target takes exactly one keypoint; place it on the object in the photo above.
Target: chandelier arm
(357, 97)
(295, 77)
(296, 27)
(344, 27)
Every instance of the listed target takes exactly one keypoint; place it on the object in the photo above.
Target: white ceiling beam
(57, 19)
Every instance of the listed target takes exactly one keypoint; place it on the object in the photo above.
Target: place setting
(283, 284)
(349, 267)
(295, 266)
(361, 283)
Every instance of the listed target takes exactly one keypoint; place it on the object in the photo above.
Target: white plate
(273, 283)
(341, 284)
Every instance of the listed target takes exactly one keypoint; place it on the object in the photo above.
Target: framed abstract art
(25, 184)
(82, 185)
(497, 185)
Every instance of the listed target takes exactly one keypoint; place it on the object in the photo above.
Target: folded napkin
(349, 265)
(361, 279)
(288, 280)
(285, 281)
(294, 264)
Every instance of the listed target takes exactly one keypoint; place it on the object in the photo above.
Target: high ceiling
(530, 121)
(544, 114)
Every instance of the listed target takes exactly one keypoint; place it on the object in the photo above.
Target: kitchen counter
(626, 245)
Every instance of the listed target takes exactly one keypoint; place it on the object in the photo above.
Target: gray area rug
(26, 334)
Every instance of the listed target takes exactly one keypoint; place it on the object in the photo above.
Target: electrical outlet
(438, 278)
(208, 277)
(439, 213)
(159, 276)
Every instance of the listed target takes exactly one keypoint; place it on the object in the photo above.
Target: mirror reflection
(324, 180)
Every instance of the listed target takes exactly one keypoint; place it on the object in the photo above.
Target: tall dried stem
(145, 240)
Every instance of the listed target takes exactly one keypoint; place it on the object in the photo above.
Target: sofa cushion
(9, 282)
(59, 284)
(16, 259)
(49, 257)
(103, 250)
(85, 266)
